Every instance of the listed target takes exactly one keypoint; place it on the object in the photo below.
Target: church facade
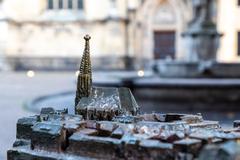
(47, 33)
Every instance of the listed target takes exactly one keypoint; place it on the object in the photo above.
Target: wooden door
(164, 44)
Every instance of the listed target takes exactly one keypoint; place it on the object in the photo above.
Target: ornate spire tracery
(84, 82)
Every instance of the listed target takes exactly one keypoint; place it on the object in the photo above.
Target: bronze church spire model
(100, 103)
(84, 81)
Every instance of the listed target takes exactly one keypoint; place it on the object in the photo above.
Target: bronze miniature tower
(84, 81)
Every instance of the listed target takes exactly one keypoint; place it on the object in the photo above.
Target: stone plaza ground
(17, 89)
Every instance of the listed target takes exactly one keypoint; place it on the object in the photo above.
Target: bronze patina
(107, 125)
(84, 82)
(100, 103)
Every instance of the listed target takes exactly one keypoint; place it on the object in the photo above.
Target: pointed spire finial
(84, 83)
(85, 67)
(87, 37)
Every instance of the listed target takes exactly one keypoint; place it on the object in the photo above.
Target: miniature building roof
(105, 103)
(49, 128)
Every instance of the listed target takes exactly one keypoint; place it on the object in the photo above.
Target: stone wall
(30, 25)
(36, 33)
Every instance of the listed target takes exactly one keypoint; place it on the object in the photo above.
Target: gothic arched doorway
(164, 28)
(161, 24)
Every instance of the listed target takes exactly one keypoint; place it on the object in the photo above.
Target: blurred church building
(48, 34)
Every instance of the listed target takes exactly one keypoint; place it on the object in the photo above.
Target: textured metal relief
(84, 81)
(100, 103)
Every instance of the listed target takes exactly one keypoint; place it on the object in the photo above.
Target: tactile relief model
(107, 125)
(100, 103)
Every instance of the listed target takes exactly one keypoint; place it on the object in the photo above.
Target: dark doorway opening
(164, 44)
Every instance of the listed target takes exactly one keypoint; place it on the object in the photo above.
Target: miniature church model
(100, 103)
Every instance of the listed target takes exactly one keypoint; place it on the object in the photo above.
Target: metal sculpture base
(58, 135)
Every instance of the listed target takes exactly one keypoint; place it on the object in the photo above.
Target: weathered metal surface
(187, 146)
(98, 103)
(226, 151)
(139, 137)
(108, 126)
(25, 153)
(236, 123)
(24, 127)
(93, 146)
(84, 83)
(43, 133)
(106, 103)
